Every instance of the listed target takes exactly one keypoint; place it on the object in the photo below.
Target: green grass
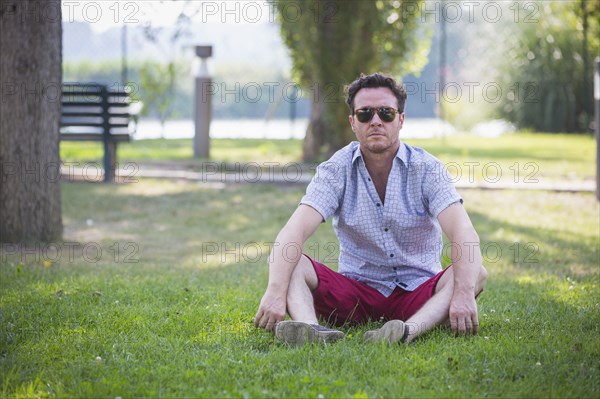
(165, 310)
(522, 157)
(226, 150)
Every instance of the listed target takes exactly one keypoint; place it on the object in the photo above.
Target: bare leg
(300, 305)
(435, 311)
(304, 326)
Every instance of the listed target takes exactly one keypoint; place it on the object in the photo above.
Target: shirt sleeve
(438, 189)
(325, 191)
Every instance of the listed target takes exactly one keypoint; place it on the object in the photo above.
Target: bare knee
(447, 280)
(304, 272)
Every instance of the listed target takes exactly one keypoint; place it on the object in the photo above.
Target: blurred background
(483, 67)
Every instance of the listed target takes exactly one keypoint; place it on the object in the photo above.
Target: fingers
(262, 320)
(266, 320)
(258, 317)
(270, 325)
(464, 325)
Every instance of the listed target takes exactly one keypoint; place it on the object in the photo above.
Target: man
(388, 201)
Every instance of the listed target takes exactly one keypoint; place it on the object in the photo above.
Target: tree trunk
(31, 77)
(328, 129)
(315, 134)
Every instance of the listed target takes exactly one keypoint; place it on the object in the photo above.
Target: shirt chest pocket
(413, 220)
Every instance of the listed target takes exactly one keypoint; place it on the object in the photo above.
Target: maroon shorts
(339, 299)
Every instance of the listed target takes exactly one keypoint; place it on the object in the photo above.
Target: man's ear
(351, 120)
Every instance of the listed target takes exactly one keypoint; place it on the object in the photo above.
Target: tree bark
(328, 129)
(31, 77)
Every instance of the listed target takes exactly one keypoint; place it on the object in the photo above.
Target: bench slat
(81, 104)
(121, 137)
(82, 114)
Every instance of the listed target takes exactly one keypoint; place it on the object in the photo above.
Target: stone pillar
(202, 104)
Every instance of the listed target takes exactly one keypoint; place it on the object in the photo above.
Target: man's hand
(463, 313)
(271, 310)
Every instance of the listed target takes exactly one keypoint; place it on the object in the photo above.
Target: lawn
(153, 290)
(522, 158)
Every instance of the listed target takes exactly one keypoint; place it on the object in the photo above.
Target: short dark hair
(375, 80)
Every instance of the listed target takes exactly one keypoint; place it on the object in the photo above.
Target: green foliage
(331, 43)
(158, 82)
(235, 84)
(164, 89)
(548, 66)
(106, 72)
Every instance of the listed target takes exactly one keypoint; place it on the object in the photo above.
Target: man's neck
(379, 166)
(380, 163)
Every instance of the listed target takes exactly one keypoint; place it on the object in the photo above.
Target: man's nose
(376, 120)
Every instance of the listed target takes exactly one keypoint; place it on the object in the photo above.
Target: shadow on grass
(182, 224)
(541, 251)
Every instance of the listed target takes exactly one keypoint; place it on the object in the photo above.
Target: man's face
(377, 136)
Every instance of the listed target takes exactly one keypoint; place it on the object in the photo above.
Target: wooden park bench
(93, 112)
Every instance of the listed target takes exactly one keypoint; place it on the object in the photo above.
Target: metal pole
(124, 55)
(597, 124)
(443, 39)
(293, 112)
(203, 104)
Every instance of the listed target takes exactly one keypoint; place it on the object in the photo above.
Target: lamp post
(202, 104)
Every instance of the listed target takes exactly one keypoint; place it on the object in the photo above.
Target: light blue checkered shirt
(398, 243)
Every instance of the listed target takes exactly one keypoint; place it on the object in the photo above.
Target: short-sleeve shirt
(395, 243)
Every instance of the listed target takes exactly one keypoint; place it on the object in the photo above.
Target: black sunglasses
(386, 114)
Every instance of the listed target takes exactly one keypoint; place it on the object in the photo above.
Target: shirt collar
(401, 154)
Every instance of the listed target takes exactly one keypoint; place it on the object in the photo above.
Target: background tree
(158, 81)
(30, 66)
(157, 90)
(332, 42)
(548, 67)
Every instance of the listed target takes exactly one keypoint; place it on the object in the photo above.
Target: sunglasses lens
(364, 115)
(386, 114)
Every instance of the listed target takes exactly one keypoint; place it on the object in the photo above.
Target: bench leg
(110, 161)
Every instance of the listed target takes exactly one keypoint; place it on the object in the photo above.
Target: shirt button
(395, 268)
(391, 255)
(369, 178)
(378, 204)
(386, 229)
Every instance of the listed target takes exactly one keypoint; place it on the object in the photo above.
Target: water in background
(273, 129)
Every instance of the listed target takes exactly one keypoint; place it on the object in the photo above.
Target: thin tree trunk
(31, 77)
(328, 129)
(315, 133)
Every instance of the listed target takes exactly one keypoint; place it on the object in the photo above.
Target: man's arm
(285, 255)
(467, 264)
